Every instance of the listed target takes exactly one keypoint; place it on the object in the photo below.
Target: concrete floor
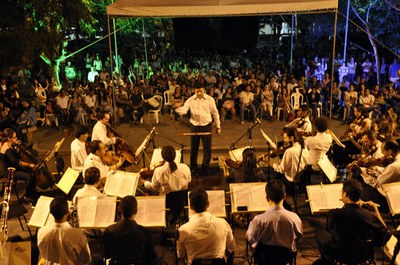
(167, 133)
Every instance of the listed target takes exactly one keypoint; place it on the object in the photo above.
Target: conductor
(202, 112)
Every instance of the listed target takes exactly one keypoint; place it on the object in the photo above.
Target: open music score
(237, 154)
(323, 198)
(248, 197)
(392, 191)
(217, 203)
(157, 157)
(270, 142)
(121, 183)
(151, 211)
(41, 214)
(68, 180)
(328, 168)
(389, 248)
(96, 212)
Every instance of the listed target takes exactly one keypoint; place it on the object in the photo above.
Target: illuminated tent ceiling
(207, 8)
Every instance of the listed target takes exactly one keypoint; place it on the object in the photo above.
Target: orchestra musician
(372, 146)
(11, 158)
(169, 176)
(94, 159)
(247, 170)
(92, 183)
(78, 148)
(202, 112)
(100, 131)
(302, 123)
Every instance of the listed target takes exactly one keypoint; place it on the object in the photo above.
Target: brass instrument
(5, 206)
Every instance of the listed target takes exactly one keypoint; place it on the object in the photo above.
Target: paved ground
(167, 133)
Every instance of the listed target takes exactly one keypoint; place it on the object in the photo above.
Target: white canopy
(207, 8)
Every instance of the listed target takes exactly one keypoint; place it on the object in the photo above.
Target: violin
(147, 173)
(275, 153)
(379, 162)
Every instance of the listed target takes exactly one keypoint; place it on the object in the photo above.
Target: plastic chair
(278, 113)
(156, 111)
(296, 100)
(355, 252)
(167, 100)
(273, 255)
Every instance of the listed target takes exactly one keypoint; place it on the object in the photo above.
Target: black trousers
(195, 143)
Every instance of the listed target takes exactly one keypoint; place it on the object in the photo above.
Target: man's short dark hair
(305, 108)
(102, 114)
(92, 175)
(59, 208)
(353, 189)
(128, 206)
(391, 145)
(370, 134)
(198, 198)
(321, 124)
(94, 146)
(275, 191)
(81, 130)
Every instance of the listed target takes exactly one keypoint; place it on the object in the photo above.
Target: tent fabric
(207, 8)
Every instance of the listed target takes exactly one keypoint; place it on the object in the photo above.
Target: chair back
(160, 100)
(273, 255)
(167, 98)
(176, 202)
(354, 252)
(296, 100)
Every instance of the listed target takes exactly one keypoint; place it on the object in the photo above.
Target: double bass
(122, 148)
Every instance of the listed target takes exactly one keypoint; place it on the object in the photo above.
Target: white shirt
(59, 243)
(205, 236)
(317, 146)
(305, 128)
(368, 101)
(90, 101)
(202, 110)
(62, 101)
(78, 154)
(290, 161)
(93, 160)
(87, 191)
(246, 97)
(163, 181)
(100, 133)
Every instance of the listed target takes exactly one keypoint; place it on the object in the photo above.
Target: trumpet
(5, 205)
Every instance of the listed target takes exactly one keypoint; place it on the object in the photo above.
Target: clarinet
(5, 205)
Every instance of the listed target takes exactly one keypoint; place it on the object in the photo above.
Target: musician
(372, 146)
(295, 158)
(126, 242)
(374, 179)
(59, 243)
(170, 176)
(302, 123)
(276, 226)
(100, 129)
(92, 182)
(361, 123)
(318, 145)
(204, 236)
(94, 159)
(202, 110)
(11, 158)
(357, 220)
(248, 170)
(78, 148)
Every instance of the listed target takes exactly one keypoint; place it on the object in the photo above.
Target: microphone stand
(396, 249)
(248, 133)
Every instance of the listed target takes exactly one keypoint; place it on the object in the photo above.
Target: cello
(122, 148)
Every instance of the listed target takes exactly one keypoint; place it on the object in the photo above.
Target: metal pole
(112, 66)
(145, 51)
(291, 45)
(116, 50)
(346, 31)
(333, 65)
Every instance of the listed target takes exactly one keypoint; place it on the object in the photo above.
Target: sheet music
(121, 183)
(237, 154)
(145, 142)
(389, 248)
(68, 180)
(151, 211)
(41, 212)
(96, 212)
(217, 203)
(392, 191)
(250, 195)
(328, 168)
(156, 157)
(325, 197)
(266, 137)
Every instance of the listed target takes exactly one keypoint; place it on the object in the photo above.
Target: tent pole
(333, 66)
(346, 31)
(112, 68)
(145, 51)
(291, 45)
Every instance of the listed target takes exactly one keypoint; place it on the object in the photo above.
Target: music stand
(144, 145)
(270, 144)
(54, 151)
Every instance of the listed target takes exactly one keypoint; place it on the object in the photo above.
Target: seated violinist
(302, 123)
(387, 171)
(11, 158)
(247, 170)
(372, 146)
(170, 176)
(95, 159)
(78, 148)
(100, 131)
